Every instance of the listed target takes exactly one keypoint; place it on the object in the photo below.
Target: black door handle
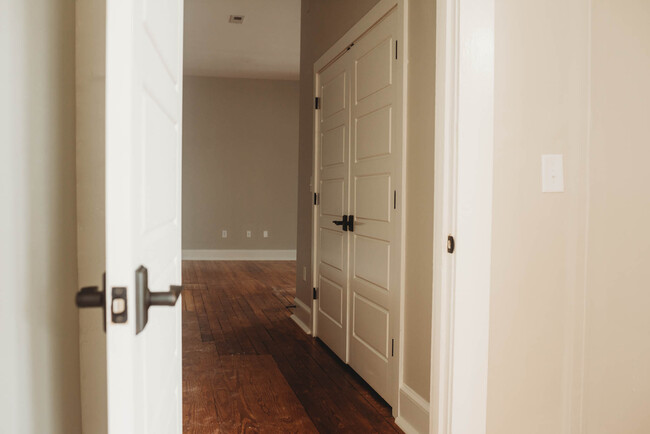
(145, 298)
(350, 224)
(91, 296)
(343, 222)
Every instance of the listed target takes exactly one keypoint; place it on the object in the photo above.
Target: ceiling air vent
(236, 19)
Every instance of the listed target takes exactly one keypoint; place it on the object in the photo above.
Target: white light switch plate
(552, 173)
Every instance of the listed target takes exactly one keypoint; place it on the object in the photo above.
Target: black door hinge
(396, 50)
(315, 294)
(317, 103)
(392, 348)
(316, 198)
(451, 244)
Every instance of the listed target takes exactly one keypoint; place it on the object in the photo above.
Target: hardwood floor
(247, 367)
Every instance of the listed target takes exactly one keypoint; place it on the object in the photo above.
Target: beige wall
(322, 24)
(537, 241)
(240, 163)
(571, 78)
(617, 363)
(39, 366)
(419, 196)
(91, 230)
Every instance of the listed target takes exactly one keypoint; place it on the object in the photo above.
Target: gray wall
(240, 163)
(39, 335)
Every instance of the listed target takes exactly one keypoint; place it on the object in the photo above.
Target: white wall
(39, 365)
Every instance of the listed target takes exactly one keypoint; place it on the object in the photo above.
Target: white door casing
(333, 119)
(358, 172)
(462, 208)
(143, 209)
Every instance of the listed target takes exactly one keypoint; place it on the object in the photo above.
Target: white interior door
(375, 188)
(143, 211)
(334, 172)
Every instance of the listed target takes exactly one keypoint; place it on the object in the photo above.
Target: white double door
(359, 139)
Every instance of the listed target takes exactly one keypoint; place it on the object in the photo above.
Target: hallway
(248, 367)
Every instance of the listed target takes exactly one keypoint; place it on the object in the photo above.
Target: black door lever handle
(343, 222)
(145, 298)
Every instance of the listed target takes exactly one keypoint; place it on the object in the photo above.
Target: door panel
(333, 197)
(374, 67)
(373, 197)
(375, 259)
(373, 134)
(333, 146)
(371, 326)
(331, 300)
(143, 209)
(332, 245)
(332, 252)
(334, 91)
(371, 261)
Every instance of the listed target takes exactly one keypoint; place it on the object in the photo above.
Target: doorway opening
(247, 361)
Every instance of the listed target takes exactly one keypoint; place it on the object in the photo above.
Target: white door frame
(362, 26)
(462, 207)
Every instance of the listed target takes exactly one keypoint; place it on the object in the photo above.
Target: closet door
(333, 120)
(375, 183)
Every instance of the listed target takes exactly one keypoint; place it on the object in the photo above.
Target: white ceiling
(266, 45)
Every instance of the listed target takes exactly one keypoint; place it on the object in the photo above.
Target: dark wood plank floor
(247, 367)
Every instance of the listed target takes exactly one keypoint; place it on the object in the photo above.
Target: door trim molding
(462, 207)
(379, 11)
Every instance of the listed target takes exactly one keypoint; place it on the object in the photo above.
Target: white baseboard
(302, 315)
(413, 412)
(239, 255)
(301, 324)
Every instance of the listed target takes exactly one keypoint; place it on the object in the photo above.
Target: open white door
(143, 214)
